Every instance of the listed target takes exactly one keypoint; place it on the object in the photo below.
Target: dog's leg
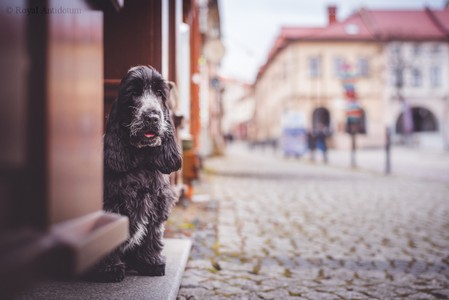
(109, 269)
(147, 259)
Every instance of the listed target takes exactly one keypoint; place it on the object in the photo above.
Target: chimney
(332, 14)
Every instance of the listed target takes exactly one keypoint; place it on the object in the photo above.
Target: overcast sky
(249, 27)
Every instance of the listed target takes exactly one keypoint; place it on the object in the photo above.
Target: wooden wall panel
(75, 151)
(13, 113)
(172, 41)
(132, 37)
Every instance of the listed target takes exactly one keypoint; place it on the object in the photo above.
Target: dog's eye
(159, 93)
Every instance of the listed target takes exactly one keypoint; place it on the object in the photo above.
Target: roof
(353, 28)
(370, 25)
(405, 24)
(442, 17)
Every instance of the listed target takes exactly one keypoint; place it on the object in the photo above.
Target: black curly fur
(134, 166)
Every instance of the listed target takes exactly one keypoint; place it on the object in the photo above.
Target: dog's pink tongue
(149, 135)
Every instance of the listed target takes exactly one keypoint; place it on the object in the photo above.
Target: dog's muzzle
(150, 132)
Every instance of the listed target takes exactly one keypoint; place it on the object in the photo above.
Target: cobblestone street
(289, 229)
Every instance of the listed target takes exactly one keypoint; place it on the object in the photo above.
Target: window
(314, 66)
(338, 66)
(352, 29)
(397, 77)
(284, 71)
(416, 49)
(363, 67)
(435, 48)
(396, 49)
(416, 78)
(435, 76)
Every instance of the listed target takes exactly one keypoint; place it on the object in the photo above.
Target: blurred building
(211, 54)
(238, 109)
(396, 60)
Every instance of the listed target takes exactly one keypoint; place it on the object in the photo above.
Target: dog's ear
(116, 153)
(169, 158)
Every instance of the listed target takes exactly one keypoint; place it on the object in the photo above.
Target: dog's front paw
(151, 270)
(110, 273)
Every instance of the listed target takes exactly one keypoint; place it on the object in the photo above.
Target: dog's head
(139, 131)
(142, 106)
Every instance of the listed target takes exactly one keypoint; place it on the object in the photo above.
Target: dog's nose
(153, 119)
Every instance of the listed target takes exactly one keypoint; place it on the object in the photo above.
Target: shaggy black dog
(139, 148)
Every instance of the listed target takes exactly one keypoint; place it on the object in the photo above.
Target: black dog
(139, 148)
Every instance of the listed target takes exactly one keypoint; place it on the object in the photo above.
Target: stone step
(133, 287)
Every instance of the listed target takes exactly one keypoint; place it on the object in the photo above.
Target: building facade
(238, 108)
(421, 91)
(394, 62)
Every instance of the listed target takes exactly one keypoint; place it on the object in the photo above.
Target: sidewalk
(422, 164)
(409, 162)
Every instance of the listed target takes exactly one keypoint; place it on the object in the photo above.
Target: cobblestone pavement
(287, 229)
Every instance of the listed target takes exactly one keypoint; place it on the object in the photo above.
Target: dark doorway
(423, 120)
(321, 116)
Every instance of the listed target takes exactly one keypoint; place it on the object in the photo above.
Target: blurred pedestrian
(311, 144)
(321, 134)
(229, 138)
